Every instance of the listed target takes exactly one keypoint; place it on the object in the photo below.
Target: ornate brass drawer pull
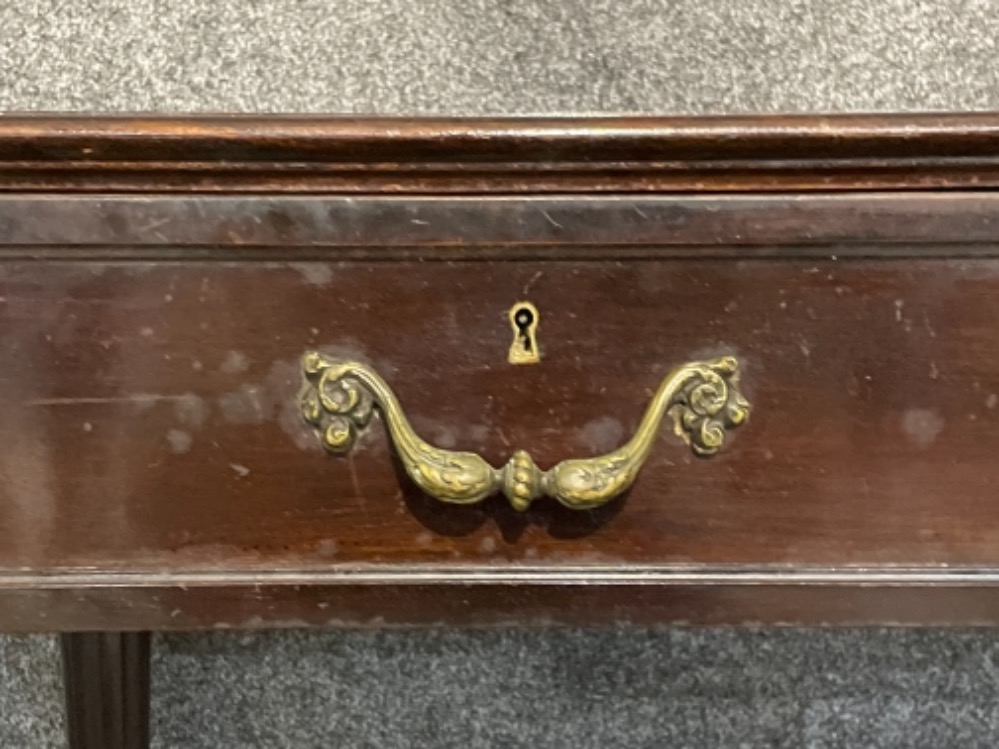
(702, 398)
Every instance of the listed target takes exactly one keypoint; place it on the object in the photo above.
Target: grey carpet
(581, 689)
(31, 710)
(473, 56)
(711, 688)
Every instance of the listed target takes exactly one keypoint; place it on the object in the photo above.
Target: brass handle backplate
(702, 398)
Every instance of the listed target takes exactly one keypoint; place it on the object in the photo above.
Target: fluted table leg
(107, 689)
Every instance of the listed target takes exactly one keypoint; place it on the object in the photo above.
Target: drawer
(152, 411)
(158, 469)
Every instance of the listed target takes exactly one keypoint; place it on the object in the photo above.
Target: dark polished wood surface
(156, 473)
(424, 228)
(151, 411)
(519, 155)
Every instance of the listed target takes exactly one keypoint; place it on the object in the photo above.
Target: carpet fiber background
(562, 688)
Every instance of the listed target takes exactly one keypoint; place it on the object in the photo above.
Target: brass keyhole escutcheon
(524, 321)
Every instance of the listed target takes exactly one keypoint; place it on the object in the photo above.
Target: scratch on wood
(142, 398)
(552, 221)
(353, 477)
(154, 224)
(529, 284)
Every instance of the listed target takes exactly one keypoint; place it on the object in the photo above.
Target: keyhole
(524, 320)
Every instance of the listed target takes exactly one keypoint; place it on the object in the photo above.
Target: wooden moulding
(526, 155)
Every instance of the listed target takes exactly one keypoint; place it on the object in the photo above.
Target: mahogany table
(291, 372)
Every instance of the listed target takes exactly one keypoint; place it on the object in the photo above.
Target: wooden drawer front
(150, 415)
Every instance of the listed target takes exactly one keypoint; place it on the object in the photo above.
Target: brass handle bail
(702, 398)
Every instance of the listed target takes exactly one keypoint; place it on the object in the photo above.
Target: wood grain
(225, 605)
(503, 228)
(151, 412)
(250, 154)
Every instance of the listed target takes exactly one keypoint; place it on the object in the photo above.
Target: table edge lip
(453, 155)
(512, 575)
